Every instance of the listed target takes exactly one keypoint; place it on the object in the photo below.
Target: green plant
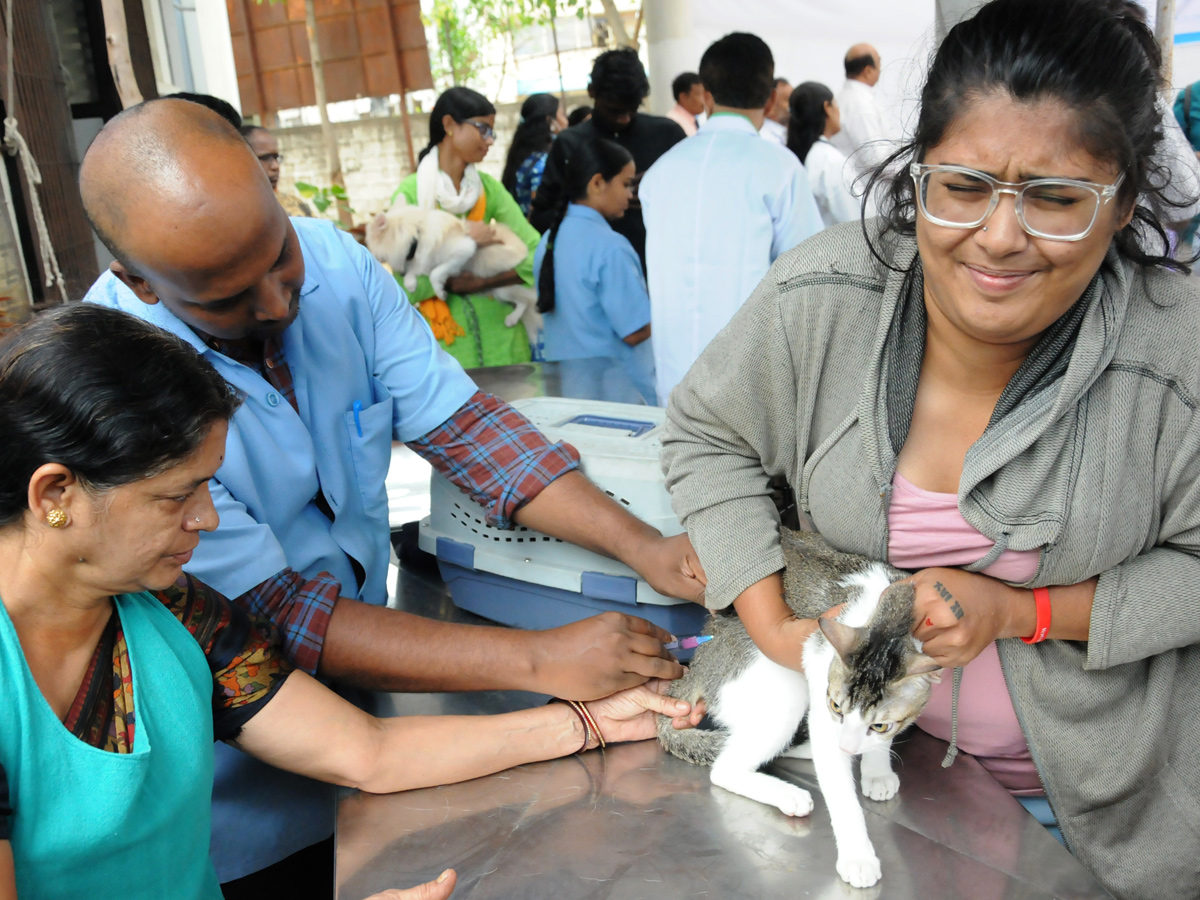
(457, 24)
(323, 197)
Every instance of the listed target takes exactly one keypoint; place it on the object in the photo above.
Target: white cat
(866, 682)
(415, 242)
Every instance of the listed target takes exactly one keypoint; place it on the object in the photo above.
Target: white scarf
(435, 189)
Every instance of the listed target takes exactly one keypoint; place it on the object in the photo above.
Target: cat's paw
(881, 787)
(793, 801)
(800, 751)
(859, 871)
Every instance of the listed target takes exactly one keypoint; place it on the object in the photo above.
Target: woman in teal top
(112, 431)
(469, 323)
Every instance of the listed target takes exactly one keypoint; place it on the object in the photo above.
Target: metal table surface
(633, 822)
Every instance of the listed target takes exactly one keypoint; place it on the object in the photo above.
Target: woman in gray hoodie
(998, 375)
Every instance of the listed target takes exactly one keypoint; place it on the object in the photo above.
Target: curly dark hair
(1095, 56)
(619, 76)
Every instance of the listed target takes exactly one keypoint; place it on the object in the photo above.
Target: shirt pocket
(370, 431)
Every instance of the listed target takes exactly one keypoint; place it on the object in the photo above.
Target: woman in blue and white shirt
(591, 290)
(815, 118)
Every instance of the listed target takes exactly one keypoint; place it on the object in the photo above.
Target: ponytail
(807, 118)
(459, 103)
(587, 159)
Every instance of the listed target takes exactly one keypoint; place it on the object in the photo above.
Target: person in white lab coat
(815, 118)
(863, 137)
(719, 208)
(775, 121)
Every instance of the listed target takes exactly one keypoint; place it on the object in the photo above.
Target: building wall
(374, 156)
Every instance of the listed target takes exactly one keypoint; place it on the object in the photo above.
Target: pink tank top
(926, 530)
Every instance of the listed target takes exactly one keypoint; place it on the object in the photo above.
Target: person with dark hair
(863, 136)
(542, 118)
(591, 291)
(578, 116)
(775, 119)
(112, 430)
(617, 88)
(469, 323)
(222, 108)
(689, 101)
(994, 385)
(266, 148)
(814, 119)
(719, 209)
(334, 365)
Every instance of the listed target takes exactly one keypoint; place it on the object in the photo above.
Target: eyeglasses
(486, 131)
(269, 157)
(1057, 209)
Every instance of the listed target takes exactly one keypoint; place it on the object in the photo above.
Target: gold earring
(56, 518)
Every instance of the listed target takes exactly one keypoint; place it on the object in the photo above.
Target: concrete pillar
(671, 45)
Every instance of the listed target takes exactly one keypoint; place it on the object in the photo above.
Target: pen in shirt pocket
(357, 420)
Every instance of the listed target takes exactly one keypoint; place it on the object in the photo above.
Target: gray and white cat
(865, 681)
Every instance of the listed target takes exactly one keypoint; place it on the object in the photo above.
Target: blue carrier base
(534, 606)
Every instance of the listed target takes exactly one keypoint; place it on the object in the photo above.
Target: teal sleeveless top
(114, 826)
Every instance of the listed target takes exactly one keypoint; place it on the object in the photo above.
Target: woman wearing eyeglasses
(995, 386)
(469, 323)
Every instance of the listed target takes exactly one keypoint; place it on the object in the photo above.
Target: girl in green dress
(469, 324)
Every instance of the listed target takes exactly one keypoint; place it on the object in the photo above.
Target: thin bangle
(583, 720)
(592, 721)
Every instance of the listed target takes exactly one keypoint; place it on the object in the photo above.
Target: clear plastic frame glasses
(1057, 209)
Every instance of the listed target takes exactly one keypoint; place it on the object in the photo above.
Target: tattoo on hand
(949, 598)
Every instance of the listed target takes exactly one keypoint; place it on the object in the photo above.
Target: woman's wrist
(1022, 613)
(580, 729)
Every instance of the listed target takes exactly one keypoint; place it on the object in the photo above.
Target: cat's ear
(843, 638)
(920, 664)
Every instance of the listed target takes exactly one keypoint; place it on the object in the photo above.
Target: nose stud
(985, 228)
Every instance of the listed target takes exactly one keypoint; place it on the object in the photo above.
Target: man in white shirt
(863, 137)
(775, 123)
(689, 101)
(719, 208)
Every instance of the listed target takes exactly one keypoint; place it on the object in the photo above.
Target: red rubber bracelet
(1041, 596)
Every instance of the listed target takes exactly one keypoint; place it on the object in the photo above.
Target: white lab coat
(863, 138)
(719, 208)
(831, 177)
(774, 132)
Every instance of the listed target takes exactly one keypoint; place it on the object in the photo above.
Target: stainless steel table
(634, 822)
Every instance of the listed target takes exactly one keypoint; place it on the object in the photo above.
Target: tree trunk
(332, 159)
(617, 26)
(562, 90)
(448, 43)
(1164, 31)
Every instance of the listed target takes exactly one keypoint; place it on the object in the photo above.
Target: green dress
(488, 341)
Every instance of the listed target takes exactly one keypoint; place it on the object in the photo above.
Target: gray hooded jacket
(1095, 467)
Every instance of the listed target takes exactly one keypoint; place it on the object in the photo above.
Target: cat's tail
(691, 745)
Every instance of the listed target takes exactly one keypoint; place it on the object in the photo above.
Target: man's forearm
(575, 510)
(384, 649)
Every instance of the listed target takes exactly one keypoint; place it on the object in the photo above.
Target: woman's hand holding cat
(957, 613)
(481, 234)
(772, 625)
(630, 715)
